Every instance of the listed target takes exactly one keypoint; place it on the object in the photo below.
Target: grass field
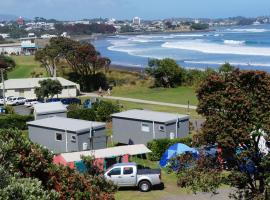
(179, 95)
(25, 67)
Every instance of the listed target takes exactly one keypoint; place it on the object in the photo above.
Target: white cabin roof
(32, 82)
(147, 115)
(107, 153)
(67, 124)
(52, 107)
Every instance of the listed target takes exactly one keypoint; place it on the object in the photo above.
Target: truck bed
(148, 171)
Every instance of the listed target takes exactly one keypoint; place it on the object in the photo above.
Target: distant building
(25, 87)
(137, 21)
(52, 109)
(4, 35)
(20, 21)
(142, 126)
(28, 44)
(59, 134)
(10, 48)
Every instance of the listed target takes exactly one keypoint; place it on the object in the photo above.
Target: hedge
(84, 114)
(159, 146)
(14, 121)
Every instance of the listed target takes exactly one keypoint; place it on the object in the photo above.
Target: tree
(166, 72)
(6, 63)
(105, 109)
(48, 88)
(237, 111)
(226, 68)
(57, 49)
(85, 60)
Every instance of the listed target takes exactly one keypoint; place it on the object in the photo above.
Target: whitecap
(234, 42)
(213, 48)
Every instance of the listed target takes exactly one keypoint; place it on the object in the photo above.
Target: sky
(127, 9)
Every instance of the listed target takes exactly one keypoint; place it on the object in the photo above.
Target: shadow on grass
(154, 188)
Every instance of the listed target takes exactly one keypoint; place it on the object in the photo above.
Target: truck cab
(128, 175)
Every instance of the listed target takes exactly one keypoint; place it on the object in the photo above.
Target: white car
(31, 102)
(13, 101)
(7, 99)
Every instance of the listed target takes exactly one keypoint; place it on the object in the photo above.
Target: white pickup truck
(128, 175)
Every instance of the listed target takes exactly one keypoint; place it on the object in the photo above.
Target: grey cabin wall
(183, 129)
(46, 138)
(125, 130)
(99, 139)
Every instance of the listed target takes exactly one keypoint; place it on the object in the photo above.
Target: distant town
(24, 36)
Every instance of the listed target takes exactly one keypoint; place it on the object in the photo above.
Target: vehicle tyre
(145, 186)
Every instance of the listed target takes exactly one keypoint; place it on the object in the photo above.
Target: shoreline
(83, 38)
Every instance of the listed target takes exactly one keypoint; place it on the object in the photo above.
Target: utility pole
(3, 86)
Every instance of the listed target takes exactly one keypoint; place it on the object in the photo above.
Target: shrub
(90, 83)
(14, 121)
(27, 189)
(158, 147)
(19, 156)
(104, 109)
(10, 110)
(84, 114)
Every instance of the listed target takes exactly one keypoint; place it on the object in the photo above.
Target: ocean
(246, 47)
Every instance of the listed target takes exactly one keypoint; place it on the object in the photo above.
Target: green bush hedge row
(159, 146)
(14, 121)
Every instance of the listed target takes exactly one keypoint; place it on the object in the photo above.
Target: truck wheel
(145, 186)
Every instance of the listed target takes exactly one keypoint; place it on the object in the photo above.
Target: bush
(158, 147)
(91, 82)
(19, 156)
(27, 189)
(10, 110)
(104, 109)
(14, 121)
(84, 114)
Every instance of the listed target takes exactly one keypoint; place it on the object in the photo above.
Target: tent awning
(107, 153)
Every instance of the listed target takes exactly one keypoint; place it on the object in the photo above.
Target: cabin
(25, 87)
(142, 126)
(60, 134)
(45, 110)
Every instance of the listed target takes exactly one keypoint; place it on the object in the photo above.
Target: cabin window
(162, 128)
(58, 137)
(73, 138)
(115, 172)
(145, 127)
(128, 170)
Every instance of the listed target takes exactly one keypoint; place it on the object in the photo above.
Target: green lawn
(180, 95)
(25, 66)
(130, 105)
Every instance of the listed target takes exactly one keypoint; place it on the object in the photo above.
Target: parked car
(31, 102)
(53, 100)
(128, 175)
(16, 101)
(7, 98)
(68, 101)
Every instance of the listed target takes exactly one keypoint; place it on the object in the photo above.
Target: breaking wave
(213, 48)
(234, 42)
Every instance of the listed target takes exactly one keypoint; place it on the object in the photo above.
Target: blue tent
(175, 150)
